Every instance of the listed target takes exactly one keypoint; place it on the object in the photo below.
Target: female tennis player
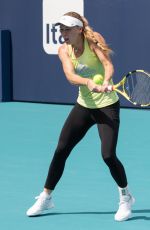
(85, 54)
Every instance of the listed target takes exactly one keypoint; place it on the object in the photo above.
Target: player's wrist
(106, 82)
(87, 82)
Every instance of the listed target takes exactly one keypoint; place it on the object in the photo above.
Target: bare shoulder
(62, 50)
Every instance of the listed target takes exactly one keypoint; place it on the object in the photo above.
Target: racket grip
(110, 88)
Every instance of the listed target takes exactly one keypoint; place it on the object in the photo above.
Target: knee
(62, 150)
(110, 160)
(61, 147)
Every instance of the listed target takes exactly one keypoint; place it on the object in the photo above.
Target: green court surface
(86, 197)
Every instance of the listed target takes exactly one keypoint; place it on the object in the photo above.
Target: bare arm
(70, 74)
(107, 64)
(68, 68)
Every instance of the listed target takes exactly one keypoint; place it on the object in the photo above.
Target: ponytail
(96, 38)
(92, 36)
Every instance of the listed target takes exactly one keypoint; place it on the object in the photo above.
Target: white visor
(69, 21)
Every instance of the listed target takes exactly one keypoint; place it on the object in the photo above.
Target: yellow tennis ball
(98, 79)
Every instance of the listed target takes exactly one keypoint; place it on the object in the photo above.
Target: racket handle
(110, 88)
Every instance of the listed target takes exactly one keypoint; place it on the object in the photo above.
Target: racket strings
(137, 86)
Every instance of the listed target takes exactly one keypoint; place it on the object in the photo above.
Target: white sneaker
(124, 212)
(43, 203)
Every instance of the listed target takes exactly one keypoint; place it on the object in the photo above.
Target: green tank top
(88, 65)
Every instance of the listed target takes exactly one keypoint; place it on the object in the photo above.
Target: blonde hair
(92, 36)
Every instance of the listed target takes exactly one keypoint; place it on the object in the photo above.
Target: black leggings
(77, 124)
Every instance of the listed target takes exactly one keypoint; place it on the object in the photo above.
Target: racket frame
(122, 83)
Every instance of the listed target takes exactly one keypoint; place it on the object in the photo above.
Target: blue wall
(38, 77)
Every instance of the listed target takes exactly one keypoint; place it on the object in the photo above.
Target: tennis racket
(135, 87)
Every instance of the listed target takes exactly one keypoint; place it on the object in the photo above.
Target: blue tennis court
(86, 197)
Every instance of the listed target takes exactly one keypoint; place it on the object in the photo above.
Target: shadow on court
(74, 213)
(99, 213)
(140, 217)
